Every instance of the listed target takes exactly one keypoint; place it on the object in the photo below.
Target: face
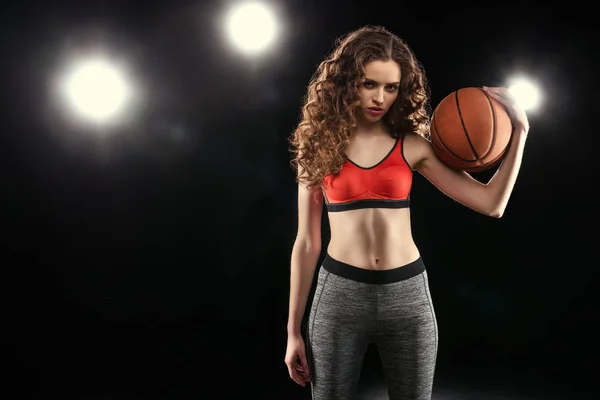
(379, 88)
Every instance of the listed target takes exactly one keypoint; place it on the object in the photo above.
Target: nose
(378, 97)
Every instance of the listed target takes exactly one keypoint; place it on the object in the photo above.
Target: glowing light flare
(526, 94)
(96, 89)
(251, 26)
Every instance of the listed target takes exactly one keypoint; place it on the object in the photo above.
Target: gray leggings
(353, 307)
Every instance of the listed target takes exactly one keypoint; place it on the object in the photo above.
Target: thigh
(337, 336)
(407, 340)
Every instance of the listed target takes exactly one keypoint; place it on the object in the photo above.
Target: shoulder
(416, 149)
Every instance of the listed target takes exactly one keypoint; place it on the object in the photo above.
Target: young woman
(364, 131)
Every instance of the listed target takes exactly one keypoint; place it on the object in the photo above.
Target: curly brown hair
(332, 101)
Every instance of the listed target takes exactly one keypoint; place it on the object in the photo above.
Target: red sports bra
(386, 184)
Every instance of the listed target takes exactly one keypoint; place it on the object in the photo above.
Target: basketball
(470, 131)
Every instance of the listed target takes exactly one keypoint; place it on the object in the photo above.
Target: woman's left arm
(502, 183)
(489, 199)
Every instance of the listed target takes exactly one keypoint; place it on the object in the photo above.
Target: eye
(369, 85)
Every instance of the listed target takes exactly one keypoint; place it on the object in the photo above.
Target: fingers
(298, 373)
(499, 93)
(508, 101)
(305, 366)
(297, 376)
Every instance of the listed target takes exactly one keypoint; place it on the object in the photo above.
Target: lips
(376, 108)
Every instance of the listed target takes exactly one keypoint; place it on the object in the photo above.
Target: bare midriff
(372, 238)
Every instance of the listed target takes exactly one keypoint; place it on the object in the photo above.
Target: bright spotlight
(525, 93)
(251, 26)
(96, 90)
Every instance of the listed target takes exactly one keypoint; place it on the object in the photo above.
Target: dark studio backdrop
(152, 261)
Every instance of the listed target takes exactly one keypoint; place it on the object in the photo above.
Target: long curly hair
(332, 101)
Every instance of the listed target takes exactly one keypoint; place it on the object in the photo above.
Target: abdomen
(372, 238)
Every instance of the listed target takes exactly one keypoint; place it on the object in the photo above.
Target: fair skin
(381, 239)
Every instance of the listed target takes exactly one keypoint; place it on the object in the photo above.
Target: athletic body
(373, 285)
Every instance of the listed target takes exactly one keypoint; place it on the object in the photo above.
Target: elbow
(309, 246)
(496, 212)
(314, 249)
(495, 207)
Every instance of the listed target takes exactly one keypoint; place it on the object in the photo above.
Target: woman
(364, 131)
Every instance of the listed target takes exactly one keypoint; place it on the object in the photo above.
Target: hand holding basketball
(517, 114)
(471, 129)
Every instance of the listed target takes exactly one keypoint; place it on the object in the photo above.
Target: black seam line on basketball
(439, 137)
(437, 132)
(464, 127)
(493, 123)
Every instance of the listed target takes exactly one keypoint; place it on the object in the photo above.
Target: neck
(370, 128)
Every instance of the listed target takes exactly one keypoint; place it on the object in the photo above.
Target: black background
(151, 259)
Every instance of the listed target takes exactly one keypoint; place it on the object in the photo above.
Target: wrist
(293, 330)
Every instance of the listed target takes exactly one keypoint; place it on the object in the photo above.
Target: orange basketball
(470, 131)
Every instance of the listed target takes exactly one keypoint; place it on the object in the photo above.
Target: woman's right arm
(305, 254)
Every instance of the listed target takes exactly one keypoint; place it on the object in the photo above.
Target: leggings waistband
(397, 274)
